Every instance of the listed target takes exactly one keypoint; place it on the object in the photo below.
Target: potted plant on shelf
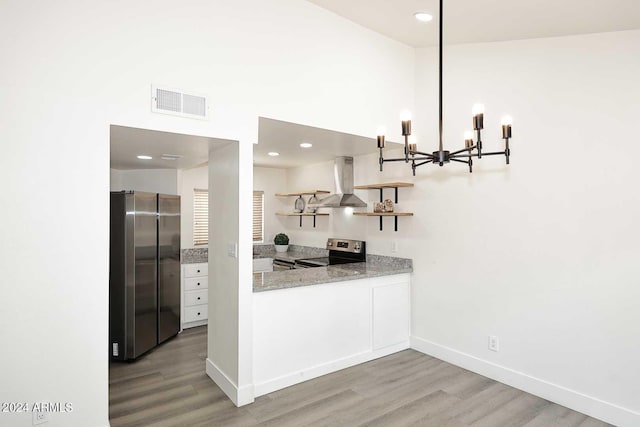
(281, 242)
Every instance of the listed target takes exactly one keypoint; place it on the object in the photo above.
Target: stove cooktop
(341, 251)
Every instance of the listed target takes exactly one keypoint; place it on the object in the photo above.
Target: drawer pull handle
(198, 313)
(198, 298)
(198, 271)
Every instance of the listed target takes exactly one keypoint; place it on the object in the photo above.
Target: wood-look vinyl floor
(169, 387)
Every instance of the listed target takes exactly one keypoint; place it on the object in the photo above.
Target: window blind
(200, 217)
(258, 216)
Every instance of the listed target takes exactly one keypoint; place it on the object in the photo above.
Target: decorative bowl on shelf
(313, 199)
(298, 206)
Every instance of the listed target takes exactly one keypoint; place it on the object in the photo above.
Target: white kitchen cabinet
(304, 332)
(195, 295)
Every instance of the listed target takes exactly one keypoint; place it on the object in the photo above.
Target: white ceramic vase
(281, 248)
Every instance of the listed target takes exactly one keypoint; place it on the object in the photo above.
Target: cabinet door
(195, 313)
(195, 283)
(390, 315)
(196, 297)
(194, 270)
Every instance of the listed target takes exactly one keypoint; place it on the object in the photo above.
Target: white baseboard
(572, 399)
(297, 377)
(195, 324)
(240, 396)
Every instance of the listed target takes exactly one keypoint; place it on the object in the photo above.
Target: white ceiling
(127, 143)
(466, 21)
(473, 21)
(285, 138)
(274, 135)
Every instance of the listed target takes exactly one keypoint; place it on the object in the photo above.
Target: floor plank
(168, 387)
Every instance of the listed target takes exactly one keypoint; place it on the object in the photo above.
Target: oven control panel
(345, 245)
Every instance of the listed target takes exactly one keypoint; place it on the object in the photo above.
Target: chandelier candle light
(418, 158)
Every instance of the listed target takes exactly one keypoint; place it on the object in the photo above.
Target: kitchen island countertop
(295, 252)
(333, 273)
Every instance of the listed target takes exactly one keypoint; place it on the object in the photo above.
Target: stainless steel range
(341, 251)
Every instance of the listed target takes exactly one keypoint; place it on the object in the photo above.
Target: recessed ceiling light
(145, 157)
(306, 145)
(273, 153)
(171, 157)
(423, 16)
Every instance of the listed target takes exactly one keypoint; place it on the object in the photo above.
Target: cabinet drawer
(196, 312)
(195, 283)
(195, 270)
(196, 297)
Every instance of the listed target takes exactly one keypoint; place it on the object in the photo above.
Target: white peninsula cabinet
(304, 332)
(195, 295)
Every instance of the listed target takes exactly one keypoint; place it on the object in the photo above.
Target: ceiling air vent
(171, 157)
(178, 103)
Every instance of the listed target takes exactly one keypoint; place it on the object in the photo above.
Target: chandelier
(472, 148)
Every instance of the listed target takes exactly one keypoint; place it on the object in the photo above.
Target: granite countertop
(194, 255)
(375, 266)
(295, 252)
(284, 256)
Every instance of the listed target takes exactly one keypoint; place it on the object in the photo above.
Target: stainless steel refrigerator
(144, 272)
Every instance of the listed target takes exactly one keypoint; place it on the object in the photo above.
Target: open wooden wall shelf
(301, 214)
(303, 193)
(384, 185)
(381, 187)
(384, 213)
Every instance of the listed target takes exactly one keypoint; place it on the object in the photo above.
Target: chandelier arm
(459, 161)
(473, 147)
(422, 154)
(397, 159)
(495, 153)
(424, 163)
(463, 156)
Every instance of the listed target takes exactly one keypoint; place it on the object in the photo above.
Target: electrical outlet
(394, 246)
(494, 343)
(40, 418)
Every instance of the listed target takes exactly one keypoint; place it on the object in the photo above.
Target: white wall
(163, 181)
(78, 67)
(541, 253)
(191, 179)
(546, 244)
(272, 181)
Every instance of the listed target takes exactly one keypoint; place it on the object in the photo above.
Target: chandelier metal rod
(440, 79)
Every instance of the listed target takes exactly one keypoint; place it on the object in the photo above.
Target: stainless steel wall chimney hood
(344, 197)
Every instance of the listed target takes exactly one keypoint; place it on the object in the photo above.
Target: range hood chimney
(344, 197)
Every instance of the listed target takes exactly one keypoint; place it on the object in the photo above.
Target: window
(200, 217)
(258, 216)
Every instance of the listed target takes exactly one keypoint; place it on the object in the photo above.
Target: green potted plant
(281, 242)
